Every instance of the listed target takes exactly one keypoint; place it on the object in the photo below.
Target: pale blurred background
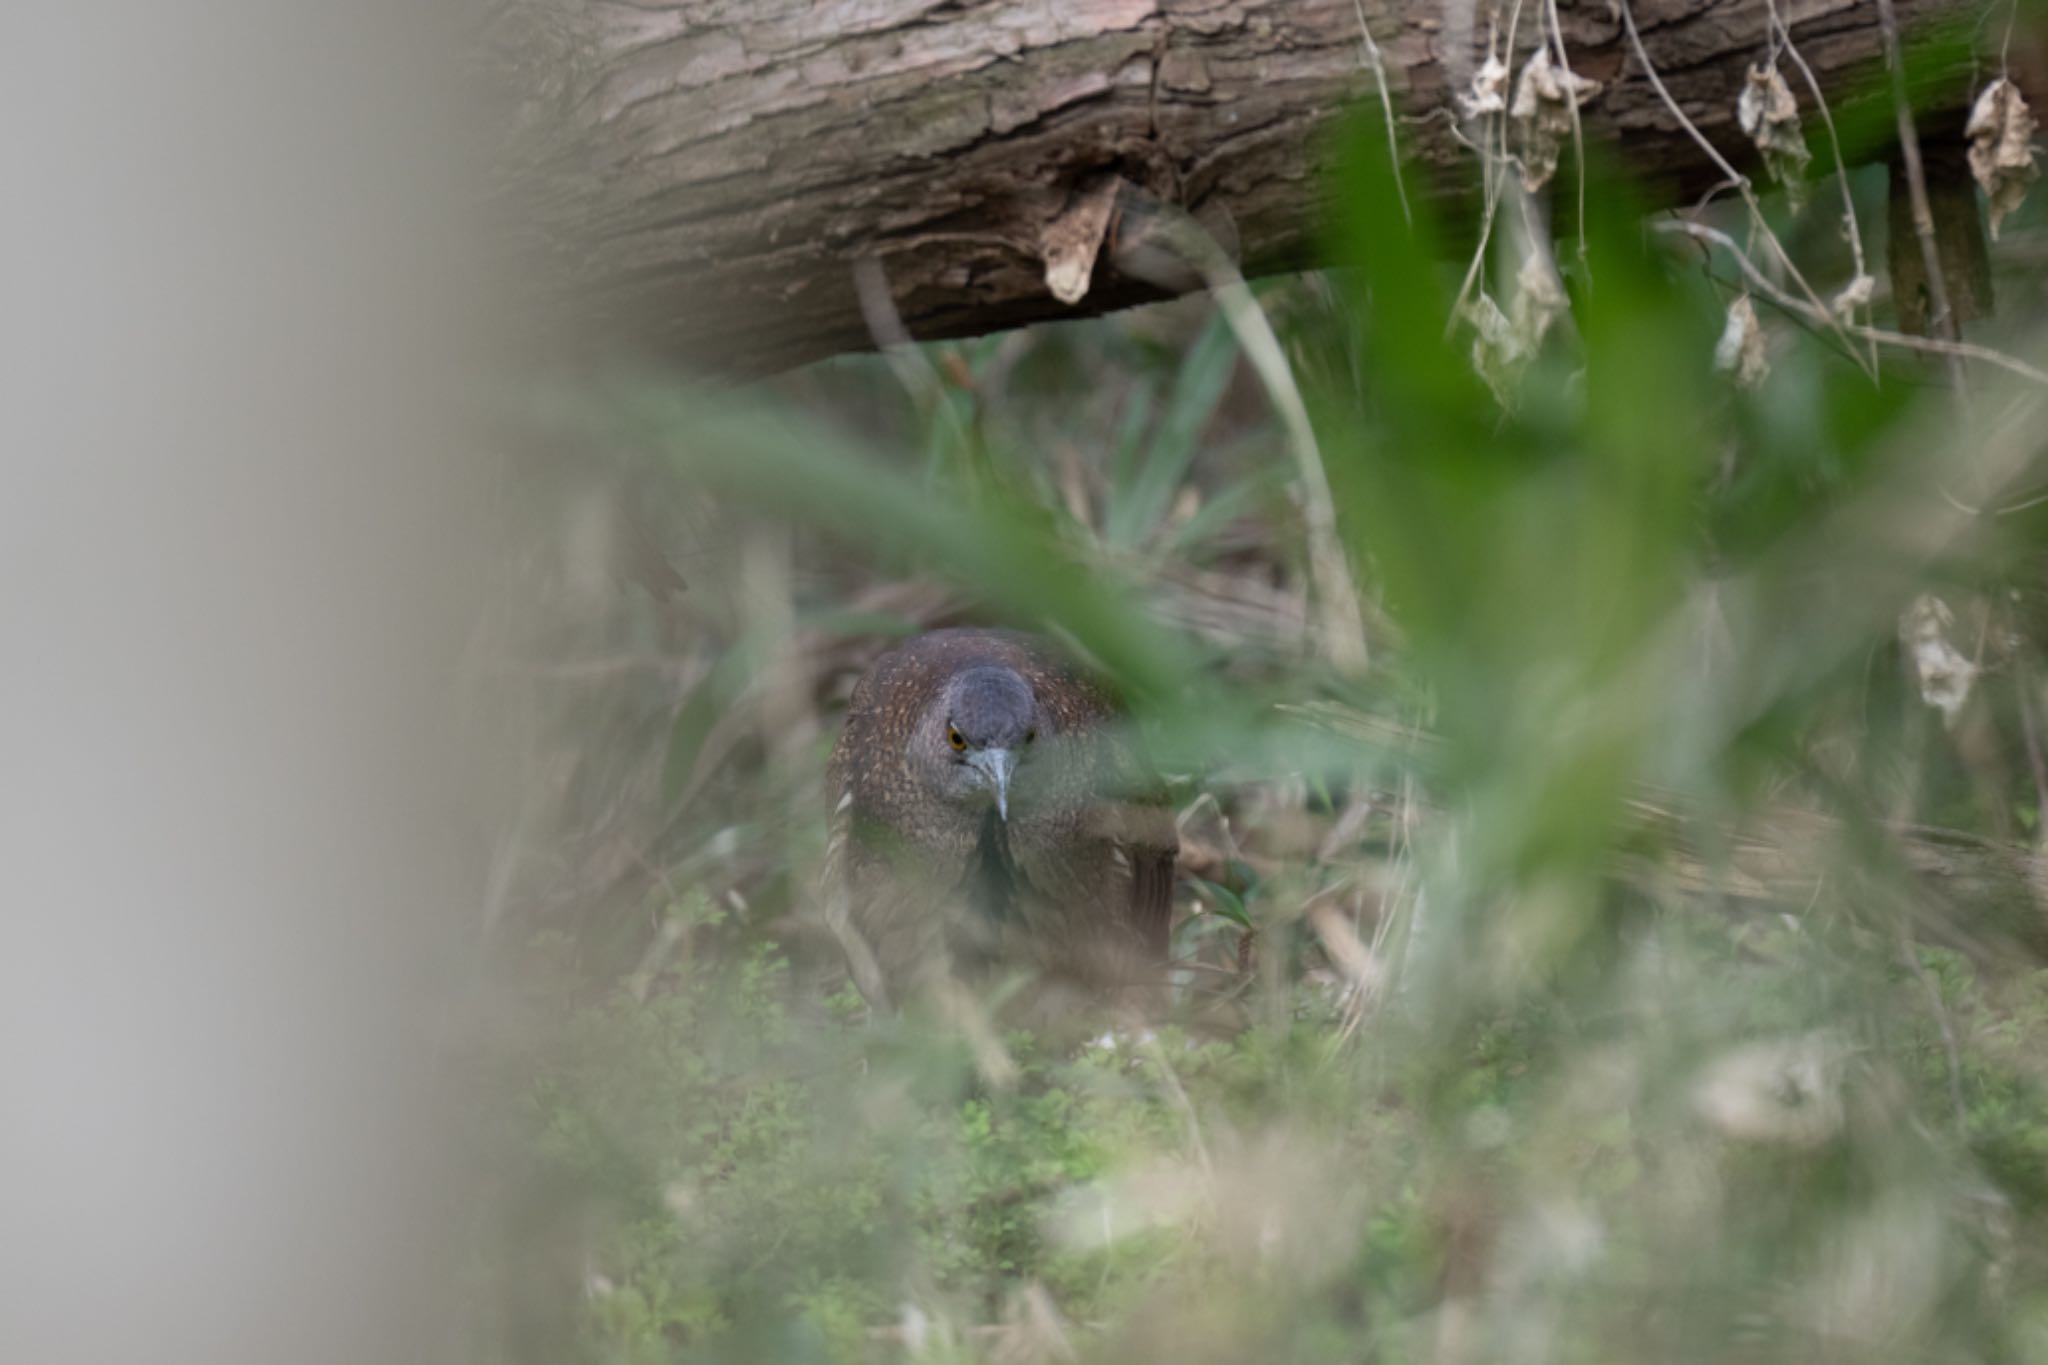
(237, 849)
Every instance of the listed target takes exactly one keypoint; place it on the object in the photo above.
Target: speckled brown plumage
(927, 879)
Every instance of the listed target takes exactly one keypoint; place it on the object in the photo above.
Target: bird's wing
(1152, 848)
(1147, 842)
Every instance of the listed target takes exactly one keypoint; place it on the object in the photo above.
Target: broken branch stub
(1070, 243)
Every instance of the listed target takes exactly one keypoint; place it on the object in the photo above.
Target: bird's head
(981, 728)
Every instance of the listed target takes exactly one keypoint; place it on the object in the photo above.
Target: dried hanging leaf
(1740, 351)
(1854, 295)
(1496, 352)
(1945, 673)
(1545, 97)
(1488, 94)
(1504, 342)
(1769, 116)
(1785, 1091)
(2001, 133)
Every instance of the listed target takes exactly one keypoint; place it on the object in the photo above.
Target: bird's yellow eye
(956, 739)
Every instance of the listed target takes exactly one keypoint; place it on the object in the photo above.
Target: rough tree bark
(702, 177)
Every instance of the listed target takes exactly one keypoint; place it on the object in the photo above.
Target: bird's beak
(996, 765)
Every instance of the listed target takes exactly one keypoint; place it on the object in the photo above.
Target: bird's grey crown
(992, 707)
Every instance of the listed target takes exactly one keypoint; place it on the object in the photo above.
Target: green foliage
(1628, 964)
(769, 1174)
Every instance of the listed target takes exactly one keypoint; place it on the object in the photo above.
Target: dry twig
(1379, 76)
(1849, 219)
(1820, 316)
(1736, 179)
(1943, 316)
